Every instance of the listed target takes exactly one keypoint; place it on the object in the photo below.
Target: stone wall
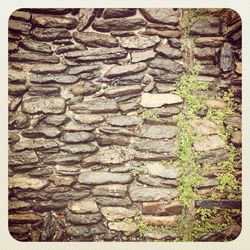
(93, 96)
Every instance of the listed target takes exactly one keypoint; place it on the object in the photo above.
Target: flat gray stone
(16, 77)
(121, 226)
(113, 130)
(47, 105)
(141, 194)
(212, 142)
(34, 144)
(83, 219)
(106, 157)
(19, 121)
(139, 42)
(121, 70)
(36, 46)
(82, 69)
(157, 181)
(161, 75)
(96, 106)
(54, 22)
(56, 120)
(22, 158)
(77, 137)
(48, 79)
(142, 56)
(80, 148)
(158, 131)
(48, 68)
(63, 159)
(226, 57)
(113, 190)
(153, 146)
(97, 178)
(70, 195)
(168, 65)
(95, 40)
(118, 213)
(158, 100)
(85, 231)
(205, 53)
(169, 52)
(113, 139)
(73, 127)
(204, 127)
(107, 25)
(83, 206)
(29, 57)
(67, 170)
(113, 201)
(118, 13)
(19, 26)
(89, 119)
(86, 17)
(25, 182)
(123, 120)
(44, 132)
(160, 15)
(51, 34)
(124, 90)
(44, 90)
(165, 87)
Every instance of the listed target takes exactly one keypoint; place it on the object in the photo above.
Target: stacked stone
(79, 80)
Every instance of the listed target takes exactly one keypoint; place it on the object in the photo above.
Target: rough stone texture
(210, 143)
(204, 127)
(30, 57)
(50, 34)
(142, 42)
(117, 213)
(123, 227)
(140, 194)
(158, 100)
(209, 27)
(226, 57)
(105, 140)
(158, 131)
(43, 105)
(121, 91)
(166, 64)
(24, 157)
(97, 178)
(162, 208)
(83, 207)
(124, 120)
(83, 219)
(114, 190)
(76, 137)
(118, 13)
(44, 132)
(169, 52)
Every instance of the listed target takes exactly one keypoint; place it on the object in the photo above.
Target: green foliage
(138, 170)
(149, 115)
(227, 182)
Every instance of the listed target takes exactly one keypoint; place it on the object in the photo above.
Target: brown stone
(159, 221)
(24, 218)
(204, 127)
(106, 140)
(118, 213)
(121, 91)
(124, 227)
(210, 143)
(162, 208)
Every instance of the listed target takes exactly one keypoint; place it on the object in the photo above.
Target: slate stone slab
(21, 158)
(139, 42)
(229, 204)
(29, 57)
(50, 34)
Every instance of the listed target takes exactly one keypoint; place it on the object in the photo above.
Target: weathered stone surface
(48, 68)
(56, 120)
(237, 138)
(44, 132)
(24, 218)
(17, 90)
(139, 42)
(86, 17)
(166, 64)
(54, 22)
(113, 201)
(160, 221)
(114, 190)
(208, 27)
(67, 170)
(80, 148)
(49, 11)
(159, 15)
(82, 69)
(216, 104)
(106, 140)
(73, 127)
(34, 144)
(30, 57)
(19, 121)
(226, 57)
(18, 230)
(47, 105)
(48, 206)
(13, 137)
(142, 56)
(118, 13)
(93, 39)
(209, 182)
(61, 79)
(158, 100)
(210, 143)
(83, 206)
(76, 137)
(21, 158)
(213, 156)
(97, 178)
(124, 227)
(107, 25)
(106, 157)
(36, 46)
(96, 106)
(205, 53)
(204, 127)
(113, 130)
(210, 70)
(165, 87)
(169, 52)
(21, 15)
(14, 102)
(19, 26)
(160, 236)
(88, 119)
(152, 194)
(121, 70)
(174, 42)
(63, 159)
(229, 204)
(44, 91)
(157, 181)
(16, 77)
(67, 48)
(83, 219)
(31, 195)
(209, 41)
(86, 231)
(161, 75)
(85, 89)
(51, 34)
(62, 180)
(124, 90)
(238, 68)
(118, 213)
(158, 131)
(129, 106)
(162, 208)
(123, 120)
(130, 79)
(25, 182)
(41, 172)
(163, 33)
(153, 146)
(19, 205)
(157, 169)
(70, 195)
